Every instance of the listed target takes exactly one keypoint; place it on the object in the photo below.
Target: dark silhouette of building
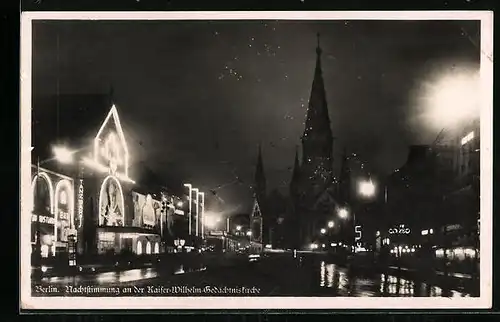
(312, 180)
(317, 139)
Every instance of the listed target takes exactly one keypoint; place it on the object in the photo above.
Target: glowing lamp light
(343, 213)
(63, 154)
(249, 233)
(367, 188)
(323, 231)
(331, 224)
(238, 228)
(179, 204)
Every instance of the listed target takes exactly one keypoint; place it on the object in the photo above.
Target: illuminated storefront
(99, 205)
(53, 210)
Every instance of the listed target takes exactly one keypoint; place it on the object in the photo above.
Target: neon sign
(359, 234)
(79, 217)
(466, 139)
(63, 209)
(44, 219)
(110, 148)
(401, 230)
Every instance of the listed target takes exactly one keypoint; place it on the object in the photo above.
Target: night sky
(196, 98)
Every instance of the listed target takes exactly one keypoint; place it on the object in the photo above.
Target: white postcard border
(486, 181)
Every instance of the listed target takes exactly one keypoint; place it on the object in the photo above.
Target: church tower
(317, 140)
(260, 180)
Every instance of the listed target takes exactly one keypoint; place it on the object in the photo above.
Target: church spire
(318, 120)
(260, 178)
(317, 140)
(295, 174)
(318, 48)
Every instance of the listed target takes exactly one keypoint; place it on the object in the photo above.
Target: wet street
(274, 276)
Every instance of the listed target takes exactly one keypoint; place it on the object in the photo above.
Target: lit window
(148, 248)
(157, 248)
(139, 247)
(44, 249)
(466, 139)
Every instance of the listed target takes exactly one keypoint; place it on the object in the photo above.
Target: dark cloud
(198, 97)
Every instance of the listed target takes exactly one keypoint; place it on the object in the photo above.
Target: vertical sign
(72, 250)
(79, 203)
(358, 232)
(63, 208)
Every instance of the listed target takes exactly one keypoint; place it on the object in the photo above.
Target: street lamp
(63, 154)
(323, 231)
(366, 188)
(343, 213)
(190, 187)
(331, 224)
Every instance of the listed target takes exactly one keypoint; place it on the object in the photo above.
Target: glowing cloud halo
(447, 98)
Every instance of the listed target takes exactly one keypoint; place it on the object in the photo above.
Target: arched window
(157, 248)
(148, 248)
(139, 247)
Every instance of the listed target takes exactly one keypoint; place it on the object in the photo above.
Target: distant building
(461, 203)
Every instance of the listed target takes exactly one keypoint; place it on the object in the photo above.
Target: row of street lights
(366, 189)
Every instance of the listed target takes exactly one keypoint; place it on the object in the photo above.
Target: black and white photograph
(256, 160)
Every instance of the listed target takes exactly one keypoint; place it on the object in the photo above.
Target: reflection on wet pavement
(339, 281)
(116, 277)
(105, 278)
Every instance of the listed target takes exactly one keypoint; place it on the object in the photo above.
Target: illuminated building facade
(94, 197)
(53, 210)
